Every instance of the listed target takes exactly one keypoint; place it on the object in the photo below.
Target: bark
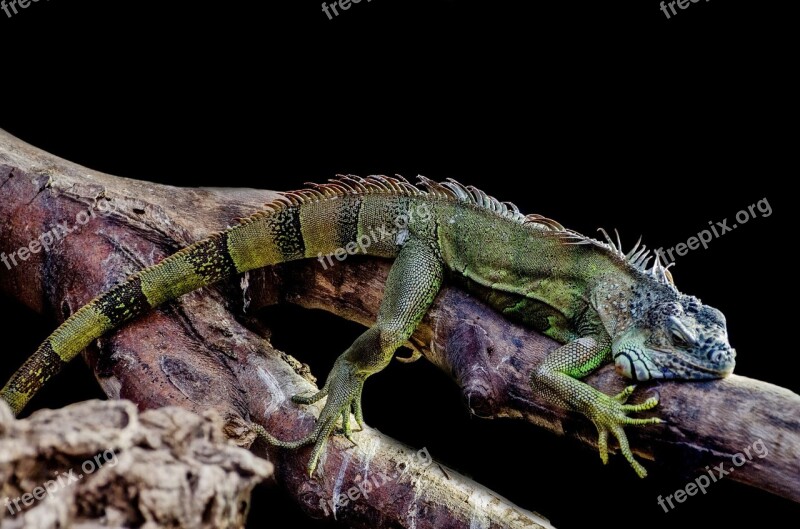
(173, 355)
(102, 464)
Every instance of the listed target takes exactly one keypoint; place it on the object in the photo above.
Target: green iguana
(602, 304)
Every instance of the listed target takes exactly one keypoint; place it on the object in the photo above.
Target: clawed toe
(610, 416)
(310, 399)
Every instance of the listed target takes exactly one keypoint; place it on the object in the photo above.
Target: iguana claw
(416, 354)
(610, 414)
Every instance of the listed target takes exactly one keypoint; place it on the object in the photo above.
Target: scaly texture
(602, 304)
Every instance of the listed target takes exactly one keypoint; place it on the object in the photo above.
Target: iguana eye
(681, 336)
(678, 340)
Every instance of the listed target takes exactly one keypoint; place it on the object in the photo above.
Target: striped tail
(198, 265)
(294, 227)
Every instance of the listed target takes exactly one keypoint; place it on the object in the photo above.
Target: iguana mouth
(677, 366)
(663, 364)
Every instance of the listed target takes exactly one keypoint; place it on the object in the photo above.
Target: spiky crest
(345, 185)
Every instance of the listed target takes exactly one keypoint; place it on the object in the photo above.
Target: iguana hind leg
(413, 282)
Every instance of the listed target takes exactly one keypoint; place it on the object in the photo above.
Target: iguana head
(678, 338)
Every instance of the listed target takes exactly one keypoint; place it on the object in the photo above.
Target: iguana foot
(343, 389)
(609, 414)
(345, 383)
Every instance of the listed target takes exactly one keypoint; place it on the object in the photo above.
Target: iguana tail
(294, 227)
(191, 268)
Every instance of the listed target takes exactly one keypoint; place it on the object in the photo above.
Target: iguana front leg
(556, 380)
(413, 282)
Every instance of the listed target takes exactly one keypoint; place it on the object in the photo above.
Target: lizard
(601, 304)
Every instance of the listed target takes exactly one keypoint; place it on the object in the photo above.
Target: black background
(592, 113)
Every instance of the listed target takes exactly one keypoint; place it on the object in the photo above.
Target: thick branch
(194, 353)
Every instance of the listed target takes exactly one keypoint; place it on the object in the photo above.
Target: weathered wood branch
(195, 353)
(102, 464)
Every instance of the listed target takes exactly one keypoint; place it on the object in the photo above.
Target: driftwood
(195, 354)
(102, 464)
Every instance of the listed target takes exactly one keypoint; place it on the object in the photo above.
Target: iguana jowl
(603, 305)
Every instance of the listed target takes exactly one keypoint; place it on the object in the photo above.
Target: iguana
(602, 304)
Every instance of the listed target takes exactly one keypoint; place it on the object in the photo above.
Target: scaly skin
(602, 305)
